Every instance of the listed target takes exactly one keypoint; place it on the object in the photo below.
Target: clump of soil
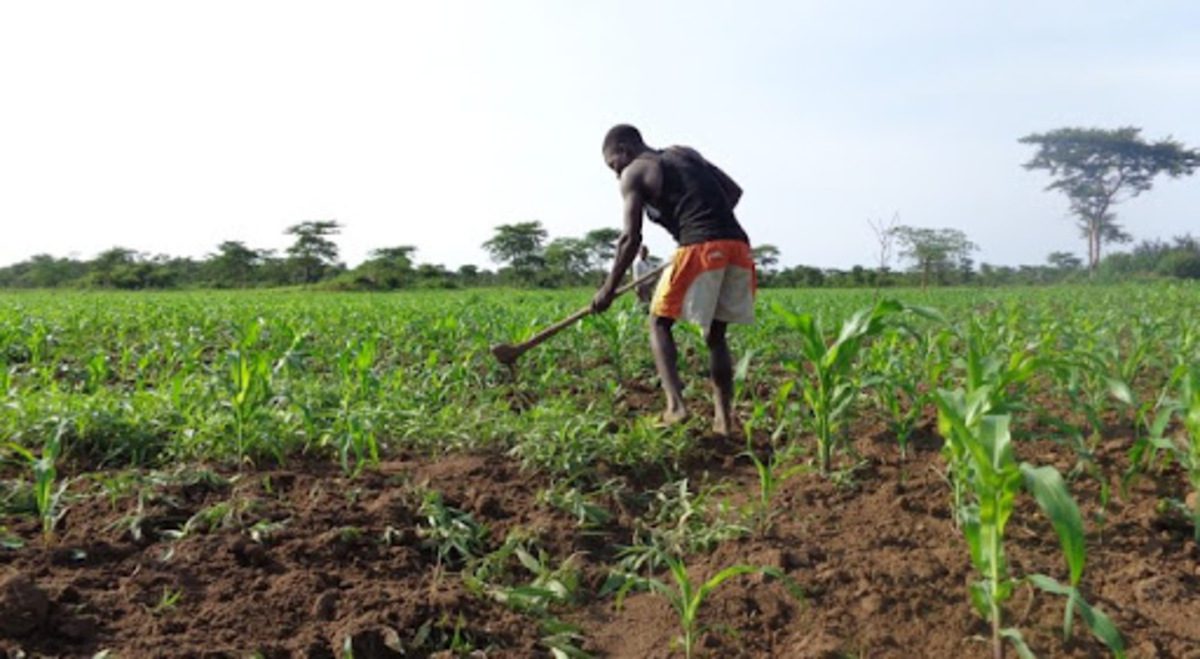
(23, 606)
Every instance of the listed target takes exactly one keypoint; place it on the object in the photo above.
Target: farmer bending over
(710, 279)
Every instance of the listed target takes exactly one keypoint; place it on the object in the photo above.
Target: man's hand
(602, 300)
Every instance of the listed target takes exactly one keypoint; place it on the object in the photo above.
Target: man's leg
(721, 366)
(662, 344)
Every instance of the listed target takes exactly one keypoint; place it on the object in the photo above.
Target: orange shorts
(708, 281)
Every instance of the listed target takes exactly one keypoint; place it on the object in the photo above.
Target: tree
(569, 258)
(602, 246)
(468, 275)
(766, 257)
(1098, 168)
(110, 266)
(389, 267)
(520, 247)
(45, 271)
(934, 251)
(313, 253)
(234, 264)
(434, 275)
(1064, 261)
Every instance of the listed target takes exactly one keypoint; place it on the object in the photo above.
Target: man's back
(692, 203)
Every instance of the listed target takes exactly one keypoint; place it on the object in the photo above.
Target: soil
(883, 570)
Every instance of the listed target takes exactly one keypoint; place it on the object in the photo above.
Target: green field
(100, 385)
(149, 379)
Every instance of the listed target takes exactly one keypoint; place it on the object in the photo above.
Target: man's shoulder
(683, 150)
(639, 173)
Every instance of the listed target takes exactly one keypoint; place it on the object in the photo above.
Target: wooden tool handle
(574, 318)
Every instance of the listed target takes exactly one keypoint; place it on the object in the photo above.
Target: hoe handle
(541, 336)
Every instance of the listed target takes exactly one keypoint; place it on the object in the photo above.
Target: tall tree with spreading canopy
(1098, 168)
(520, 247)
(934, 251)
(313, 251)
(1064, 261)
(766, 257)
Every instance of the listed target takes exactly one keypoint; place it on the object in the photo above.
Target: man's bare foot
(722, 425)
(673, 417)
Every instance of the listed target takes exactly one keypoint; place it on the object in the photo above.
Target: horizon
(168, 129)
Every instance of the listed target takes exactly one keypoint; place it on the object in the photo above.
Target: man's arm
(630, 240)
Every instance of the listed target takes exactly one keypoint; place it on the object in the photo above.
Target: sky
(169, 127)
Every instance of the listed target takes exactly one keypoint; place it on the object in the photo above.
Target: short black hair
(622, 134)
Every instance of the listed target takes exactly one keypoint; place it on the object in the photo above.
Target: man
(710, 280)
(642, 267)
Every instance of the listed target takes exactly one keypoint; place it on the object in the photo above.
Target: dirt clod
(23, 606)
(325, 608)
(382, 643)
(77, 630)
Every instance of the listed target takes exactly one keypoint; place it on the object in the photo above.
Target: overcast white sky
(168, 127)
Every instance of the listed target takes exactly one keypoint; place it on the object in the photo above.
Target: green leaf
(1102, 627)
(1018, 642)
(9, 541)
(1055, 500)
(1120, 391)
(743, 367)
(21, 451)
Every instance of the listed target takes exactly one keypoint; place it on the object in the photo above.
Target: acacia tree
(934, 250)
(520, 247)
(313, 252)
(1098, 168)
(1064, 261)
(766, 257)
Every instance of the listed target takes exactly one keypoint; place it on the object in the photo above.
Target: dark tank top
(692, 206)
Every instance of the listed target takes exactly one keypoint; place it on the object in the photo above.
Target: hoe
(508, 354)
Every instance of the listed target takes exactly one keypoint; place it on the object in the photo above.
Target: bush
(1181, 264)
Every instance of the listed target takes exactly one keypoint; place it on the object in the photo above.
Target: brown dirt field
(884, 571)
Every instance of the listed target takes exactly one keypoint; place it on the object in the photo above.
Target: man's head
(644, 252)
(622, 144)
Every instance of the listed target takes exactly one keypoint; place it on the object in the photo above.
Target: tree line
(1095, 168)
(526, 257)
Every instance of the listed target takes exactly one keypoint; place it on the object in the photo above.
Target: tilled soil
(310, 562)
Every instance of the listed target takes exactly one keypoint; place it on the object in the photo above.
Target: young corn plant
(898, 390)
(827, 370)
(47, 491)
(994, 478)
(687, 597)
(993, 386)
(1186, 449)
(779, 466)
(772, 473)
(355, 434)
(249, 385)
(1153, 421)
